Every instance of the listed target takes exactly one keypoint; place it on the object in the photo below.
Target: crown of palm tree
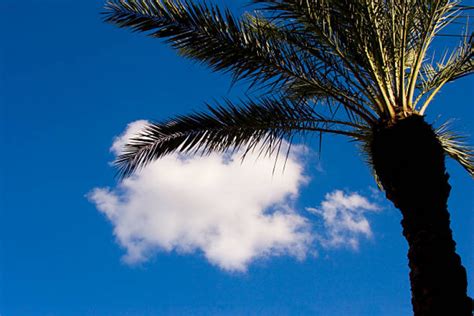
(328, 66)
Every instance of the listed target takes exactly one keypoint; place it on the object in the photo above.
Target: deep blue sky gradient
(68, 84)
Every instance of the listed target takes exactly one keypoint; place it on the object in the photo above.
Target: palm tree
(359, 68)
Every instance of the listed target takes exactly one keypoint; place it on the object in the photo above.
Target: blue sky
(69, 85)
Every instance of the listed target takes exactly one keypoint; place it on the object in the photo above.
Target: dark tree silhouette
(358, 68)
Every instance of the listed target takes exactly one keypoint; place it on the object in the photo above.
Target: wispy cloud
(233, 213)
(344, 219)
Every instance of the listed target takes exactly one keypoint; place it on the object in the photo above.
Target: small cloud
(232, 212)
(344, 219)
(376, 194)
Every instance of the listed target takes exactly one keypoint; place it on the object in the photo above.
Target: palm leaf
(244, 48)
(229, 127)
(383, 44)
(455, 146)
(459, 64)
(359, 34)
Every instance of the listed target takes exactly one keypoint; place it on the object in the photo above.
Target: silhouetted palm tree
(358, 68)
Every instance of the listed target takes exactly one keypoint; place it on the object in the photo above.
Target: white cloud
(231, 212)
(344, 219)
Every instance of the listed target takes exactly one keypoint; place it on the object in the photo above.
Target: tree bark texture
(409, 162)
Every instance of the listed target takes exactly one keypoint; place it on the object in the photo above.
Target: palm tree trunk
(409, 162)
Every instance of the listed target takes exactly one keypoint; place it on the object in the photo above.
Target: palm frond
(383, 44)
(242, 47)
(459, 64)
(204, 33)
(455, 146)
(229, 127)
(343, 29)
(331, 73)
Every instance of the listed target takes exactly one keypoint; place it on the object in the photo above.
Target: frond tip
(455, 146)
